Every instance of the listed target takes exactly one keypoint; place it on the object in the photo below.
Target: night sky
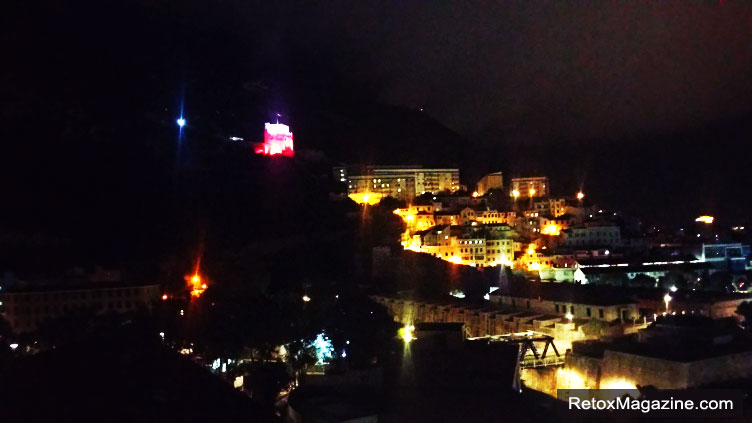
(584, 69)
(645, 105)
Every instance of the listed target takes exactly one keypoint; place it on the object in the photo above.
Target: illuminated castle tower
(277, 140)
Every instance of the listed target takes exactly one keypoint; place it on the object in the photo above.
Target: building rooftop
(319, 403)
(646, 260)
(446, 213)
(644, 268)
(674, 348)
(71, 285)
(434, 326)
(565, 292)
(688, 296)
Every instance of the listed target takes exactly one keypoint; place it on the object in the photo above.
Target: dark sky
(582, 69)
(549, 69)
(643, 102)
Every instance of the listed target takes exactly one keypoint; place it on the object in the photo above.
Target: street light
(667, 299)
(532, 192)
(515, 193)
(406, 333)
(180, 122)
(580, 195)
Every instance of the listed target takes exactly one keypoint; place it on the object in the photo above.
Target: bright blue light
(181, 122)
(324, 349)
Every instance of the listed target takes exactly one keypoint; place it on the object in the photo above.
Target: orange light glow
(568, 378)
(580, 195)
(371, 198)
(195, 283)
(705, 219)
(618, 383)
(551, 229)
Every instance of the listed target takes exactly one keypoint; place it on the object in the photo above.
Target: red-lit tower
(277, 140)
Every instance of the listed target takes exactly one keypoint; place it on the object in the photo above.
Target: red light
(164, 297)
(277, 140)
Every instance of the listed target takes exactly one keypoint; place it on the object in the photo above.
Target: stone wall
(718, 369)
(623, 370)
(580, 372)
(541, 379)
(643, 371)
(560, 308)
(485, 321)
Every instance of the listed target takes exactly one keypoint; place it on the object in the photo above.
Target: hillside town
(422, 212)
(604, 292)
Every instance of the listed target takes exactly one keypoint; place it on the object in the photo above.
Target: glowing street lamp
(667, 299)
(515, 194)
(180, 122)
(196, 283)
(580, 195)
(306, 298)
(406, 333)
(532, 192)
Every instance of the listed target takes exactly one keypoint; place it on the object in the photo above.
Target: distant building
(277, 140)
(594, 271)
(677, 352)
(712, 304)
(26, 306)
(340, 173)
(536, 186)
(479, 246)
(592, 235)
(554, 225)
(500, 316)
(485, 216)
(566, 299)
(551, 207)
(372, 183)
(731, 257)
(489, 182)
